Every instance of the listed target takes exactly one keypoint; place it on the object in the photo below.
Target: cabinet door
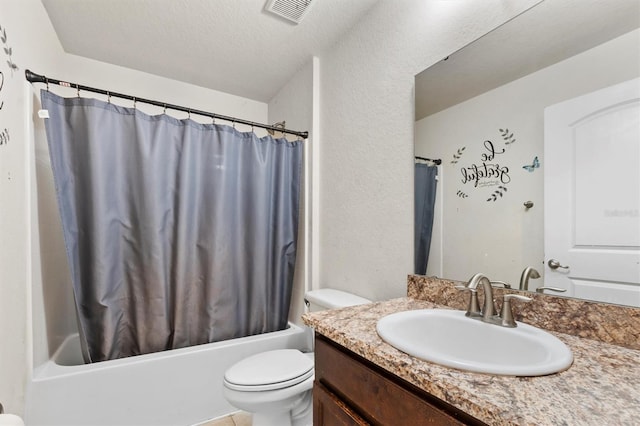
(358, 386)
(329, 410)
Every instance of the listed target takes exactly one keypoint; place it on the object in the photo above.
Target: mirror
(481, 111)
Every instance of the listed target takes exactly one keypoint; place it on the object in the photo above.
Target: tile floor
(237, 419)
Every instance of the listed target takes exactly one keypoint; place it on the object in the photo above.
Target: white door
(592, 194)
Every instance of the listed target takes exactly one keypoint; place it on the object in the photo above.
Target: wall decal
(4, 134)
(457, 155)
(508, 138)
(501, 189)
(489, 172)
(531, 168)
(4, 137)
(7, 50)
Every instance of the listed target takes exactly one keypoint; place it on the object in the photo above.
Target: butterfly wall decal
(532, 167)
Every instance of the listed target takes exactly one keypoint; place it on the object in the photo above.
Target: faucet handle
(499, 284)
(506, 313)
(473, 309)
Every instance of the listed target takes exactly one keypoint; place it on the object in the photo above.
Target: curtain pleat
(425, 181)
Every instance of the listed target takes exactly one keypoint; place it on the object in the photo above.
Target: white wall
(294, 103)
(36, 47)
(366, 146)
(23, 22)
(501, 238)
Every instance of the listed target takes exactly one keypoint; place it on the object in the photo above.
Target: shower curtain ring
(46, 79)
(134, 102)
(77, 89)
(164, 111)
(108, 97)
(189, 114)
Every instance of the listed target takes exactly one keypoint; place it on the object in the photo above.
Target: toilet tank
(329, 298)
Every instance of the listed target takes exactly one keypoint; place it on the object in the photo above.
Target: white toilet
(275, 386)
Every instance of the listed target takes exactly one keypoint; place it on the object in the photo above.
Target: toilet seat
(269, 370)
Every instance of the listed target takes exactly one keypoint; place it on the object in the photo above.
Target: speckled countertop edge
(601, 387)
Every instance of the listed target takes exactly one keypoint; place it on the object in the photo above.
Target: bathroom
(355, 96)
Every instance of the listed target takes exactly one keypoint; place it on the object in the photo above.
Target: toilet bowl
(275, 386)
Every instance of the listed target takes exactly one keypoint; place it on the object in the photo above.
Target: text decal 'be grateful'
(489, 171)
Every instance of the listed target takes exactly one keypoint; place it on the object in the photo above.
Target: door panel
(592, 194)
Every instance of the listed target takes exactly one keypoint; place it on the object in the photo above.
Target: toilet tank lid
(331, 298)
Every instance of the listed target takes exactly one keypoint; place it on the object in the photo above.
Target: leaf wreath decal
(457, 155)
(508, 137)
(497, 193)
(462, 194)
(7, 50)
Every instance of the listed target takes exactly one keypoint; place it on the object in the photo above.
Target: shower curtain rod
(437, 161)
(36, 78)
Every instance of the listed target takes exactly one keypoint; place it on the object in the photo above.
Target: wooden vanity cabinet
(350, 390)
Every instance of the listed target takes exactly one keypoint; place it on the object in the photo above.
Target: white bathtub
(177, 387)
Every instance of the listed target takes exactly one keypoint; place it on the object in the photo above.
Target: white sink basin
(449, 338)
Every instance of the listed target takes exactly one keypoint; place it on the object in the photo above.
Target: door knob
(554, 264)
(556, 289)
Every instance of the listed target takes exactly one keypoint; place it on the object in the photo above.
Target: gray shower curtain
(425, 182)
(177, 233)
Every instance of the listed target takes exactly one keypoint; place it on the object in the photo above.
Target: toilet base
(291, 406)
(271, 419)
(300, 415)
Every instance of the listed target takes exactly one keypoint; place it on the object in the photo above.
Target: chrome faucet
(528, 272)
(489, 309)
(488, 313)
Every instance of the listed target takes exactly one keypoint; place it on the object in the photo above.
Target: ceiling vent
(291, 10)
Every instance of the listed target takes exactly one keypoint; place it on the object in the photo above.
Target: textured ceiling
(233, 46)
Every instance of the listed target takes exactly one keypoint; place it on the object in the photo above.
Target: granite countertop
(602, 387)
